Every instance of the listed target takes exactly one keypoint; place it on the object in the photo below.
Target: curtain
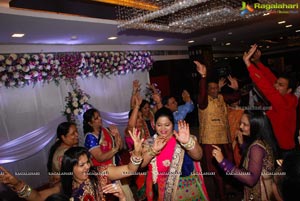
(30, 115)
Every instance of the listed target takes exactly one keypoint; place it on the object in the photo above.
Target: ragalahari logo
(246, 8)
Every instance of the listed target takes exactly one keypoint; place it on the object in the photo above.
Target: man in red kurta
(279, 93)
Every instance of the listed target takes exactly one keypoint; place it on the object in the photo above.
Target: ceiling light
(288, 26)
(191, 41)
(281, 22)
(73, 37)
(298, 30)
(181, 16)
(267, 46)
(265, 14)
(112, 38)
(227, 44)
(229, 33)
(160, 39)
(17, 35)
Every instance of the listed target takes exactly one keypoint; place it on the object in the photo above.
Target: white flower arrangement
(76, 104)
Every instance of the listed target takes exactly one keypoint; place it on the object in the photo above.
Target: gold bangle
(152, 152)
(25, 192)
(189, 145)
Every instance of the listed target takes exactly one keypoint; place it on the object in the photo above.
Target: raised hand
(136, 86)
(137, 100)
(201, 68)
(153, 88)
(217, 153)
(135, 134)
(159, 144)
(247, 55)
(256, 56)
(233, 83)
(183, 134)
(222, 82)
(8, 179)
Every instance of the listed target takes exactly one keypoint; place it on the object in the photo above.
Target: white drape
(35, 110)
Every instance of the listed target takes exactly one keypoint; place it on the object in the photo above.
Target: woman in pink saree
(174, 171)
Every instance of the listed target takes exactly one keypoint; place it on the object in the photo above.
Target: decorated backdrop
(38, 90)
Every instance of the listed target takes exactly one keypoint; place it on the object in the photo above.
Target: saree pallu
(164, 180)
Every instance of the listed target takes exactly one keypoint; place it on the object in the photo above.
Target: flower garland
(21, 70)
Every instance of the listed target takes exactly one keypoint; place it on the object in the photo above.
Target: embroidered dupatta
(164, 173)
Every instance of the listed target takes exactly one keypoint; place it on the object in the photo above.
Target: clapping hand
(183, 134)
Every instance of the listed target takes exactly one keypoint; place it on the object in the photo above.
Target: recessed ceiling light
(227, 44)
(225, 58)
(229, 33)
(281, 37)
(191, 41)
(265, 14)
(160, 39)
(288, 26)
(298, 30)
(17, 35)
(260, 46)
(281, 22)
(73, 37)
(267, 46)
(236, 57)
(112, 38)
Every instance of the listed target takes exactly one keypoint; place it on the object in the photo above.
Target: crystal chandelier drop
(182, 16)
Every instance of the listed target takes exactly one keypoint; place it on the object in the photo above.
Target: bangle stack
(189, 145)
(152, 152)
(136, 160)
(25, 191)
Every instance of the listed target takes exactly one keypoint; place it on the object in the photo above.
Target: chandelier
(181, 16)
